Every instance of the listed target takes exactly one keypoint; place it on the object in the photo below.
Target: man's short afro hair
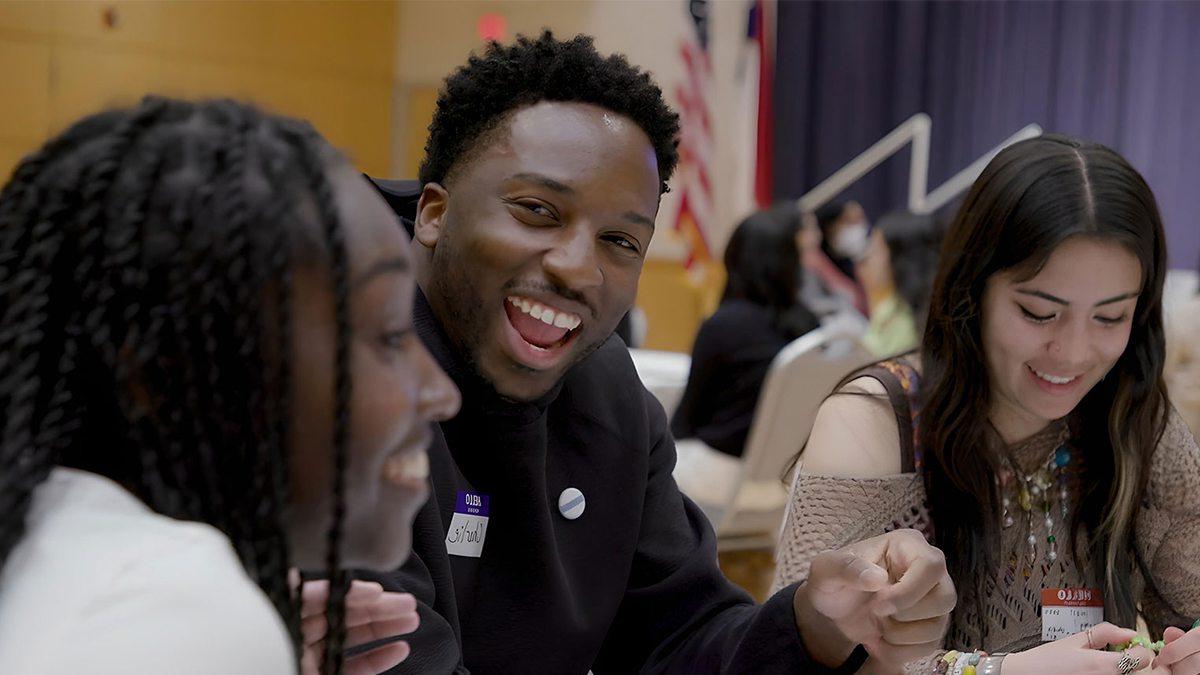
(480, 95)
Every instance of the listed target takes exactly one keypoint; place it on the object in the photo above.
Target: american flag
(695, 212)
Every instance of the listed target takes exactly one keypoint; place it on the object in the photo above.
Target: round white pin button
(571, 503)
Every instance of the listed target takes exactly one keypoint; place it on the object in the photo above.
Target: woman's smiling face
(1050, 338)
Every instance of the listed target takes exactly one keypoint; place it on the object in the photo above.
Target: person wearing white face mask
(850, 233)
(849, 271)
(831, 286)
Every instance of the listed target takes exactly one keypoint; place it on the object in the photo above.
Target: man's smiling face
(537, 241)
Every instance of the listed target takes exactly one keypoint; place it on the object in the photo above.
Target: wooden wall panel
(332, 63)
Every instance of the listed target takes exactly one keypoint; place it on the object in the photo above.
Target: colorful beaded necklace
(1035, 493)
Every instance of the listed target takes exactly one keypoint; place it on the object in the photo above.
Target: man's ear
(431, 214)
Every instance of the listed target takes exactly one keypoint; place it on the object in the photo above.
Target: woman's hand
(371, 614)
(1181, 656)
(1081, 654)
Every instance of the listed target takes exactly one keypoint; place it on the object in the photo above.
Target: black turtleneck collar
(479, 397)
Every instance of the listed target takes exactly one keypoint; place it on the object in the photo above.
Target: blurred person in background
(835, 237)
(896, 272)
(209, 375)
(1182, 368)
(759, 314)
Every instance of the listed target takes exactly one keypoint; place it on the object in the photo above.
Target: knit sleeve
(1168, 530)
(826, 513)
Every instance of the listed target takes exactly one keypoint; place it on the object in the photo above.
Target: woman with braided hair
(208, 376)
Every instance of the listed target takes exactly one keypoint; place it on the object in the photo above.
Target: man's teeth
(1052, 379)
(547, 315)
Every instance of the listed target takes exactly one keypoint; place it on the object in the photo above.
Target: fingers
(923, 576)
(908, 633)
(1190, 665)
(315, 594)
(1105, 663)
(886, 653)
(835, 571)
(925, 618)
(315, 628)
(916, 582)
(1101, 636)
(841, 583)
(923, 593)
(380, 630)
(924, 585)
(386, 607)
(1143, 657)
(939, 601)
(377, 660)
(382, 610)
(310, 662)
(1179, 648)
(364, 601)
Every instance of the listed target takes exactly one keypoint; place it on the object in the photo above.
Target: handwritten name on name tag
(1067, 611)
(468, 527)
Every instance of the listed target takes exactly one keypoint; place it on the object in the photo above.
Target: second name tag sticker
(468, 527)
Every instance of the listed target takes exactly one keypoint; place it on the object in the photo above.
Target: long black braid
(336, 248)
(146, 261)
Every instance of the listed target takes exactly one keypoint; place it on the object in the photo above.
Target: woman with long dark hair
(1031, 439)
(759, 314)
(207, 376)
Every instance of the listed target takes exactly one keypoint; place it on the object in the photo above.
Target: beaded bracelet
(990, 665)
(955, 662)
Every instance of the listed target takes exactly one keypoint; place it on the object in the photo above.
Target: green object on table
(1138, 641)
(1142, 641)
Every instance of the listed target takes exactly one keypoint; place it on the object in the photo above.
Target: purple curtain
(1126, 74)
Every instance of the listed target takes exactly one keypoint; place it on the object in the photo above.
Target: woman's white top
(100, 584)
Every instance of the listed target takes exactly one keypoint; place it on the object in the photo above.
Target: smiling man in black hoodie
(555, 540)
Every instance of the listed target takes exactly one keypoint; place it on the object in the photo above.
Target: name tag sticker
(468, 527)
(1067, 611)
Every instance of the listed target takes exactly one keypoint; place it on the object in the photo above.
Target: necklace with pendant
(1036, 493)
